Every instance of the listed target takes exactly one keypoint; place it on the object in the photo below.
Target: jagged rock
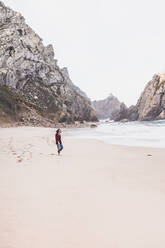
(107, 108)
(122, 114)
(93, 125)
(161, 115)
(151, 104)
(30, 68)
(67, 78)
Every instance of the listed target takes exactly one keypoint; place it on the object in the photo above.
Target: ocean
(144, 134)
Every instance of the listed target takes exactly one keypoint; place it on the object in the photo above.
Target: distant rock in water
(151, 104)
(107, 108)
(31, 83)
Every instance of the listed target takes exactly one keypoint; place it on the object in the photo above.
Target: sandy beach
(93, 196)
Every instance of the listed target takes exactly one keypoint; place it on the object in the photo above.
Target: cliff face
(28, 69)
(107, 108)
(151, 104)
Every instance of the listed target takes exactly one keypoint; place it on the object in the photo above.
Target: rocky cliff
(151, 104)
(31, 82)
(107, 108)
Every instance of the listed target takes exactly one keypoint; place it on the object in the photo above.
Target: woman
(58, 141)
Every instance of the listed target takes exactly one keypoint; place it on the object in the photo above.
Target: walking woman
(58, 141)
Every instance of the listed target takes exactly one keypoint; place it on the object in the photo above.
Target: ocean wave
(145, 134)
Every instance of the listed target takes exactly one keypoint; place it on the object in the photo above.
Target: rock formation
(151, 104)
(107, 108)
(29, 74)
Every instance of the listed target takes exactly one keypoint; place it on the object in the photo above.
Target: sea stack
(107, 108)
(151, 104)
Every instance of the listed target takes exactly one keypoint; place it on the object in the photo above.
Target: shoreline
(77, 124)
(93, 195)
(50, 131)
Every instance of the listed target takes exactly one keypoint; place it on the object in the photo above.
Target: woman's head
(58, 131)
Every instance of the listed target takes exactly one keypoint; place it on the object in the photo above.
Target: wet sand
(95, 195)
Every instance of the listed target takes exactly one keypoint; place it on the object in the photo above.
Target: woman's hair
(58, 130)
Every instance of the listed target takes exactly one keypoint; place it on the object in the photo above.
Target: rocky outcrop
(129, 114)
(29, 69)
(70, 83)
(151, 104)
(107, 108)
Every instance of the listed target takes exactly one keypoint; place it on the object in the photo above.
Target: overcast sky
(109, 46)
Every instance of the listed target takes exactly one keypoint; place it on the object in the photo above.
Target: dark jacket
(58, 138)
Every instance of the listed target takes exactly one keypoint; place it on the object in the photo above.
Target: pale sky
(108, 46)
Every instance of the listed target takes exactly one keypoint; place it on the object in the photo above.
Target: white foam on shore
(144, 134)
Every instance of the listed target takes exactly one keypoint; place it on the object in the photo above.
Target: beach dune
(94, 195)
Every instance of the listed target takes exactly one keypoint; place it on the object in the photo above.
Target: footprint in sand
(19, 159)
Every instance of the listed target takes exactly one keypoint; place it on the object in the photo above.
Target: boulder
(93, 125)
